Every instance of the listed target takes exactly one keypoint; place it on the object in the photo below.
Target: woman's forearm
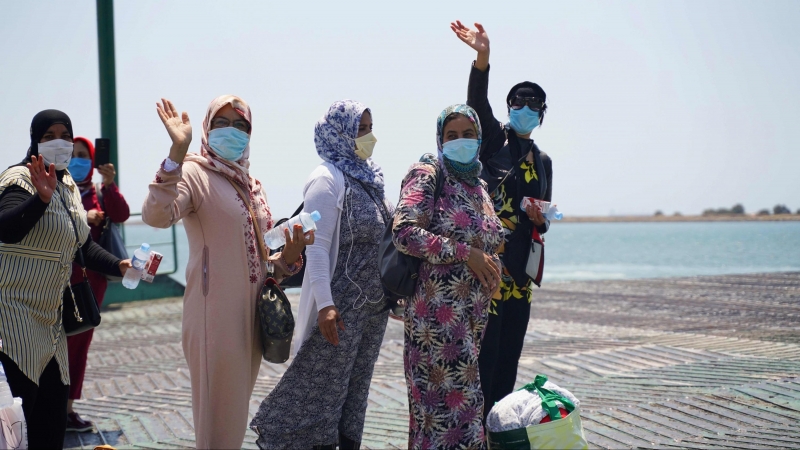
(19, 212)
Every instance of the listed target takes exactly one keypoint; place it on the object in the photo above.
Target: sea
(616, 251)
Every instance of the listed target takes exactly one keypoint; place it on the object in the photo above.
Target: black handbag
(111, 236)
(79, 307)
(295, 280)
(276, 321)
(399, 271)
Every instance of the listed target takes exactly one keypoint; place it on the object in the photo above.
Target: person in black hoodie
(42, 226)
(513, 168)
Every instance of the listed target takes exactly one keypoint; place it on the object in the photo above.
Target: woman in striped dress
(39, 201)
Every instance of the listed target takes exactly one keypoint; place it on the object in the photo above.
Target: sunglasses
(534, 103)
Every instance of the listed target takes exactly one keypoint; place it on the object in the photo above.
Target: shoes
(75, 423)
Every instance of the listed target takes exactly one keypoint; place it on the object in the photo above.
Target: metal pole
(108, 83)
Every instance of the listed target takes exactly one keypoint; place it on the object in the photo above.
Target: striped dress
(33, 275)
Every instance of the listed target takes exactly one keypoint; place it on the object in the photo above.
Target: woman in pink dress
(225, 271)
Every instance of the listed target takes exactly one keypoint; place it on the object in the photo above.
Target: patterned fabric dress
(445, 319)
(324, 391)
(505, 204)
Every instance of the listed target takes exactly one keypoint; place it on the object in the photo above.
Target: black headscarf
(39, 125)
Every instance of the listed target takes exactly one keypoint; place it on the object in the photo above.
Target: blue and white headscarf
(334, 136)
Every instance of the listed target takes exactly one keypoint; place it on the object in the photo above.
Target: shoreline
(719, 218)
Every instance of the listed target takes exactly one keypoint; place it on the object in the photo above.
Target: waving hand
(178, 127)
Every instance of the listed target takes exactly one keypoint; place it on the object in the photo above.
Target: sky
(653, 105)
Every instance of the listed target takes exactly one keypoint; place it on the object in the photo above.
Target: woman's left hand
(296, 243)
(535, 214)
(124, 265)
(108, 173)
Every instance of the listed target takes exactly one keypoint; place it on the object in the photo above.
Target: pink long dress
(220, 336)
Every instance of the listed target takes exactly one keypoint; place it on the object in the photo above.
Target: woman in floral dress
(455, 234)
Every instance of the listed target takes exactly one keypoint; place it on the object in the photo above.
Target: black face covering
(39, 125)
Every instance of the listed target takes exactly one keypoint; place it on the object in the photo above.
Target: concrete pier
(711, 362)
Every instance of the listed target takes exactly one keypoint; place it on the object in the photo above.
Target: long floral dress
(445, 319)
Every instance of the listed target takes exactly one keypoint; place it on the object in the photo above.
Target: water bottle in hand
(134, 274)
(275, 238)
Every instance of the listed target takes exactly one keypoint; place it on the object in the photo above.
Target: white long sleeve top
(324, 192)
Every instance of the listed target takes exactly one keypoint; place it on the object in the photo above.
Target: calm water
(590, 251)
(594, 251)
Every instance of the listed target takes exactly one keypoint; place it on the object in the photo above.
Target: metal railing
(159, 243)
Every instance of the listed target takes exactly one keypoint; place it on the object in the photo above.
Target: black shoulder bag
(274, 311)
(399, 271)
(79, 309)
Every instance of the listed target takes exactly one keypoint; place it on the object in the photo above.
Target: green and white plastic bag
(514, 422)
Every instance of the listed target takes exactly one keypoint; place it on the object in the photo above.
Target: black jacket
(502, 151)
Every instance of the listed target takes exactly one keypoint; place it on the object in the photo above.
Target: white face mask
(57, 151)
(365, 144)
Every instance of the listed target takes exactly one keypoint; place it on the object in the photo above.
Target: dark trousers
(45, 405)
(501, 349)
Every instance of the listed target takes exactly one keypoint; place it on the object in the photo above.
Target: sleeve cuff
(169, 165)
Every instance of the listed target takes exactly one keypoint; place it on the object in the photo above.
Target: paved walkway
(690, 362)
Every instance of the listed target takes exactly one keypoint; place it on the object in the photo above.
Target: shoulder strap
(439, 183)
(98, 189)
(380, 205)
(256, 227)
(77, 239)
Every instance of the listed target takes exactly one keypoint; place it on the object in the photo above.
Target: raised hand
(477, 38)
(43, 180)
(296, 243)
(178, 127)
(108, 172)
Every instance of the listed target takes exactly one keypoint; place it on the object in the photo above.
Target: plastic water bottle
(6, 399)
(275, 237)
(134, 274)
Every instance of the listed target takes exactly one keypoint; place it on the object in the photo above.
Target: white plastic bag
(515, 421)
(13, 432)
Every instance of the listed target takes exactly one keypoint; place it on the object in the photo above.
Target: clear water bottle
(134, 274)
(275, 237)
(6, 399)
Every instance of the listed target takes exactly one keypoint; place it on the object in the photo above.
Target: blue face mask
(228, 143)
(79, 168)
(460, 150)
(524, 120)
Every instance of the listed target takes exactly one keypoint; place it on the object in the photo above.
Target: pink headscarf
(236, 171)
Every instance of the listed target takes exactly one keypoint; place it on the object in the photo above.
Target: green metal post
(108, 77)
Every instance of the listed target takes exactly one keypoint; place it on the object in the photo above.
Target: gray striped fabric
(33, 275)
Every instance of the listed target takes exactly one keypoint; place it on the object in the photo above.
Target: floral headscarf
(334, 136)
(236, 171)
(469, 172)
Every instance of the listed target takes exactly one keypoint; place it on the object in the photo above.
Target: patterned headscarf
(469, 172)
(334, 136)
(237, 171)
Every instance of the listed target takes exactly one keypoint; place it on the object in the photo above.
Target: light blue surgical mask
(460, 150)
(79, 168)
(524, 120)
(228, 143)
